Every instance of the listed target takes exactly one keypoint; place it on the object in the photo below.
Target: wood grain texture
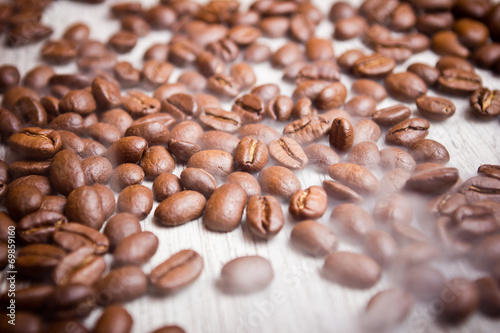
(299, 299)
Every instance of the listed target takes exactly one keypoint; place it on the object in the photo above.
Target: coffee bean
(373, 66)
(308, 204)
(351, 270)
(289, 153)
(55, 203)
(41, 182)
(347, 59)
(475, 221)
(352, 220)
(84, 205)
(9, 124)
(180, 208)
(24, 168)
(114, 318)
(435, 108)
(137, 200)
(121, 285)
(286, 54)
(428, 74)
(126, 74)
(135, 249)
(29, 298)
(321, 156)
(139, 104)
(176, 272)
(393, 208)
(377, 317)
(381, 246)
(155, 161)
(166, 185)
(365, 154)
(31, 111)
(103, 133)
(433, 181)
(136, 25)
(486, 56)
(72, 236)
(257, 53)
(34, 142)
(341, 134)
(354, 176)
(229, 199)
(318, 49)
(369, 88)
(81, 266)
(349, 27)
(341, 192)
(307, 129)
(447, 204)
(465, 303)
(407, 132)
(489, 170)
(426, 150)
(218, 119)
(339, 10)
(266, 91)
(313, 238)
(244, 75)
(155, 73)
(9, 77)
(264, 216)
(259, 132)
(251, 155)
(225, 49)
(250, 108)
(328, 97)
(28, 32)
(126, 174)
(392, 115)
(485, 103)
(224, 86)
(481, 189)
(37, 261)
(459, 81)
(405, 86)
(208, 64)
(246, 275)
(248, 182)
(23, 200)
(127, 150)
(121, 226)
(431, 23)
(424, 282)
(361, 106)
(218, 163)
(218, 140)
(70, 121)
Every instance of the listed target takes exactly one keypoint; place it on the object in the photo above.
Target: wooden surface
(299, 299)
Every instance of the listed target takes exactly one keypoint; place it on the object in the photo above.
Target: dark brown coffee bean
(70, 301)
(5, 223)
(27, 32)
(216, 162)
(267, 91)
(459, 82)
(250, 108)
(194, 81)
(121, 226)
(354, 176)
(58, 52)
(431, 23)
(126, 174)
(176, 272)
(31, 111)
(279, 181)
(155, 73)
(426, 150)
(106, 94)
(126, 74)
(9, 77)
(114, 318)
(448, 43)
(223, 86)
(225, 49)
(321, 156)
(486, 56)
(183, 52)
(280, 108)
(392, 115)
(351, 270)
(485, 103)
(377, 317)
(127, 150)
(135, 249)
(121, 285)
(435, 108)
(471, 33)
(341, 134)
(137, 200)
(369, 88)
(208, 64)
(289, 153)
(180, 208)
(187, 131)
(319, 49)
(118, 118)
(330, 97)
(347, 59)
(55, 203)
(139, 104)
(25, 168)
(407, 132)
(34, 142)
(405, 86)
(12, 95)
(136, 25)
(22, 200)
(37, 261)
(218, 140)
(464, 304)
(308, 204)
(489, 170)
(29, 298)
(203, 34)
(256, 52)
(166, 185)
(433, 181)
(373, 66)
(72, 236)
(218, 119)
(70, 121)
(230, 199)
(251, 155)
(481, 189)
(103, 133)
(9, 124)
(429, 74)
(264, 216)
(307, 129)
(245, 275)
(66, 172)
(81, 266)
(452, 62)
(78, 101)
(41, 182)
(488, 296)
(85, 206)
(37, 78)
(303, 108)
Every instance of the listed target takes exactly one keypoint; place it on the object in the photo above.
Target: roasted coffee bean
(459, 81)
(279, 181)
(218, 119)
(27, 32)
(373, 66)
(135, 199)
(301, 28)
(155, 161)
(352, 220)
(66, 172)
(55, 203)
(37, 78)
(155, 132)
(361, 106)
(126, 174)
(347, 59)
(259, 132)
(136, 25)
(433, 181)
(126, 74)
(448, 43)
(289, 153)
(180, 208)
(216, 162)
(24, 168)
(486, 56)
(127, 150)
(489, 170)
(118, 118)
(488, 296)
(392, 115)
(187, 131)
(245, 275)
(9, 77)
(225, 49)
(435, 108)
(369, 88)
(107, 199)
(31, 111)
(84, 205)
(12, 95)
(34, 142)
(248, 182)
(267, 91)
(249, 107)
(365, 154)
(307, 129)
(70, 121)
(393, 208)
(428, 74)
(330, 97)
(9, 124)
(341, 134)
(194, 81)
(78, 101)
(308, 204)
(135, 249)
(257, 53)
(103, 133)
(81, 266)
(452, 62)
(208, 64)
(121, 285)
(321, 156)
(106, 94)
(166, 185)
(287, 54)
(464, 304)
(176, 272)
(121, 226)
(319, 49)
(426, 151)
(183, 52)
(114, 318)
(37, 261)
(155, 73)
(72, 142)
(407, 132)
(41, 182)
(230, 199)
(139, 104)
(431, 23)
(244, 75)
(251, 155)
(471, 33)
(264, 216)
(92, 148)
(274, 26)
(72, 236)
(481, 189)
(22, 200)
(354, 176)
(405, 86)
(351, 270)
(29, 298)
(303, 108)
(341, 192)
(381, 246)
(349, 27)
(218, 140)
(314, 238)
(223, 86)
(446, 204)
(485, 103)
(392, 158)
(377, 318)
(475, 221)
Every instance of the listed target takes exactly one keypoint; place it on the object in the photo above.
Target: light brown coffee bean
(351, 270)
(245, 275)
(228, 200)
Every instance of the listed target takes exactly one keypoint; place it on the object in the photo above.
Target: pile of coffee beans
(89, 154)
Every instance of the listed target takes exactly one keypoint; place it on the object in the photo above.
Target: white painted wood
(299, 299)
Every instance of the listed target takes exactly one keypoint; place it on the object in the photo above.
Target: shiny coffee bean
(229, 199)
(180, 208)
(308, 204)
